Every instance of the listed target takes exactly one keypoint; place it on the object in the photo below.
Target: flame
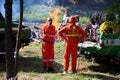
(55, 17)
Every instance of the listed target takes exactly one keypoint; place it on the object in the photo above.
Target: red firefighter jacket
(49, 33)
(72, 34)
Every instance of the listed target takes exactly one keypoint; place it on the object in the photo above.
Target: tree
(114, 11)
(11, 51)
(9, 47)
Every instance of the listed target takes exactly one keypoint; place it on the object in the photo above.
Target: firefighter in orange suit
(72, 35)
(48, 38)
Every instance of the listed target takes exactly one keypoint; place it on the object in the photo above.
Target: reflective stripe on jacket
(72, 35)
(49, 33)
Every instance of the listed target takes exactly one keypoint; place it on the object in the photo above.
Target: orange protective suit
(72, 34)
(48, 45)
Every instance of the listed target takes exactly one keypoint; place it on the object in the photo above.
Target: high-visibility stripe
(49, 35)
(48, 60)
(71, 35)
(51, 59)
(45, 60)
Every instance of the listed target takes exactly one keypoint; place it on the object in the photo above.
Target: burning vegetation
(55, 14)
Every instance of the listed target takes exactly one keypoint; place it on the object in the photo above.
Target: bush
(84, 20)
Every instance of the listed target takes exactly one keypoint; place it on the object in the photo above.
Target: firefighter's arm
(42, 32)
(61, 33)
(82, 35)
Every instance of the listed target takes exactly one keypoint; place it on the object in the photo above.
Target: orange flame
(55, 17)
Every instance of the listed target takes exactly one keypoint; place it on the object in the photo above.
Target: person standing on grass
(72, 34)
(48, 39)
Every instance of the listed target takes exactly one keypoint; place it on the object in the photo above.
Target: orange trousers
(70, 50)
(47, 54)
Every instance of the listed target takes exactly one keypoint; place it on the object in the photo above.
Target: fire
(55, 17)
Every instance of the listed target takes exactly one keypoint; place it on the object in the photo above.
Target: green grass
(30, 67)
(31, 58)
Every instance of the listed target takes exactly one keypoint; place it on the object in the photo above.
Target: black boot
(44, 68)
(50, 69)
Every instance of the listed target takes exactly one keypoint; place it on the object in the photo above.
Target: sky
(2, 7)
(16, 3)
(15, 8)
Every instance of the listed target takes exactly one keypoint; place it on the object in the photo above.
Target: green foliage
(14, 24)
(114, 10)
(2, 24)
(84, 20)
(36, 13)
(39, 13)
(61, 17)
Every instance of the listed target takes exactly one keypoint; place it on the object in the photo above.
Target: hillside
(82, 8)
(35, 10)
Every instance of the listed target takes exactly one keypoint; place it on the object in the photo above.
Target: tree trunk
(9, 48)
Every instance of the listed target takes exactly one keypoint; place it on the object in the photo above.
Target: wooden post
(16, 56)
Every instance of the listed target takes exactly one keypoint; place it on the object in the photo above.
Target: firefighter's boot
(44, 68)
(50, 69)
